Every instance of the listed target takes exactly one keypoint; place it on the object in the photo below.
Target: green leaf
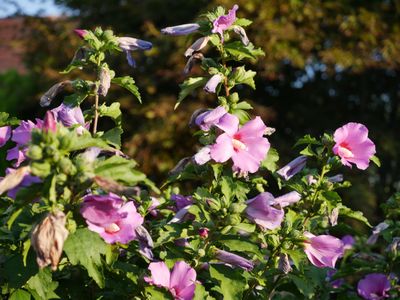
(270, 161)
(232, 283)
(357, 215)
(305, 287)
(113, 111)
(128, 83)
(113, 137)
(242, 22)
(188, 86)
(43, 285)
(81, 142)
(238, 51)
(200, 293)
(6, 120)
(85, 247)
(296, 255)
(241, 245)
(75, 99)
(245, 227)
(307, 139)
(155, 293)
(119, 169)
(308, 151)
(244, 105)
(376, 161)
(20, 295)
(241, 76)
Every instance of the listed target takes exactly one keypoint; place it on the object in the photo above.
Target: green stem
(96, 113)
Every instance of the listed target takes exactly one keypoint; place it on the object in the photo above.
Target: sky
(30, 7)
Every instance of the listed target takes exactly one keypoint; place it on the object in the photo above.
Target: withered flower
(48, 239)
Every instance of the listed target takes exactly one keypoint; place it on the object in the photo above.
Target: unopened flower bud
(214, 204)
(48, 239)
(242, 33)
(35, 152)
(234, 219)
(203, 232)
(197, 46)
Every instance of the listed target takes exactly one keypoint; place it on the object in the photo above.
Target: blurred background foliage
(327, 63)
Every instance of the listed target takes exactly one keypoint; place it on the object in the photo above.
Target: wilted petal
(49, 96)
(190, 63)
(284, 263)
(197, 45)
(105, 82)
(336, 178)
(242, 33)
(130, 59)
(13, 179)
(48, 239)
(376, 232)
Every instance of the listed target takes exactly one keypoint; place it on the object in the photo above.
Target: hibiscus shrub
(79, 220)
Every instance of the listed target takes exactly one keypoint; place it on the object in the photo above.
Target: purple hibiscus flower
(222, 23)
(181, 282)
(374, 286)
(261, 211)
(323, 250)
(246, 145)
(70, 116)
(111, 218)
(353, 145)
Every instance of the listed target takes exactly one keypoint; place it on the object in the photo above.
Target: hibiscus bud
(203, 232)
(293, 167)
(105, 82)
(214, 204)
(212, 83)
(197, 46)
(145, 242)
(284, 263)
(81, 33)
(287, 199)
(234, 260)
(242, 33)
(132, 44)
(336, 178)
(48, 239)
(49, 96)
(49, 123)
(181, 29)
(191, 61)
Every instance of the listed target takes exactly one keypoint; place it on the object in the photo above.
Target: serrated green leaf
(85, 247)
(75, 99)
(128, 83)
(307, 139)
(356, 215)
(43, 285)
(238, 51)
(240, 245)
(308, 151)
(113, 111)
(270, 161)
(113, 137)
(119, 169)
(231, 282)
(243, 76)
(305, 287)
(20, 295)
(188, 86)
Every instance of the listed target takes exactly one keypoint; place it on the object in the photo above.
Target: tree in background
(326, 62)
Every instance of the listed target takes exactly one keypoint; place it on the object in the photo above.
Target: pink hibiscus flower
(246, 146)
(181, 282)
(353, 145)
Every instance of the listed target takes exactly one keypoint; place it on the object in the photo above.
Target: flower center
(112, 228)
(344, 151)
(238, 145)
